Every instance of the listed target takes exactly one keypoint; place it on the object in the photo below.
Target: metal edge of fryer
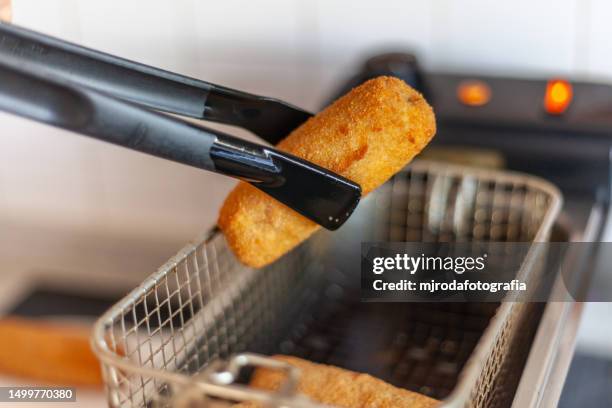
(552, 349)
(472, 369)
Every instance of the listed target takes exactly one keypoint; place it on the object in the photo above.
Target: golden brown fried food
(367, 136)
(342, 388)
(51, 352)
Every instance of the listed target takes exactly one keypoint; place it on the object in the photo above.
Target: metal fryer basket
(164, 340)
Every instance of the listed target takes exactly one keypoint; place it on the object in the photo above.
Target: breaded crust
(367, 136)
(48, 352)
(339, 387)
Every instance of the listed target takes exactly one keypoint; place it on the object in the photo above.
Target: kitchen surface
(93, 220)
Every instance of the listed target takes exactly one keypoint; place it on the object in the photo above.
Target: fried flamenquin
(367, 136)
(339, 387)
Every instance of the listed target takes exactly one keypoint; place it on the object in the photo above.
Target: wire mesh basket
(188, 333)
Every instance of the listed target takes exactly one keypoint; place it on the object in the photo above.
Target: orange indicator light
(473, 93)
(558, 96)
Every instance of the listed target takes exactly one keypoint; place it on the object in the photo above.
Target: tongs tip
(318, 194)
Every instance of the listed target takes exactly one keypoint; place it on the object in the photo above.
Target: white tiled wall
(297, 50)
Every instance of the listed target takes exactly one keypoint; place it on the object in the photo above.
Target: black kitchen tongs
(270, 119)
(85, 91)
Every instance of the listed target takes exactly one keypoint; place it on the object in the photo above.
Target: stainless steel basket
(182, 336)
